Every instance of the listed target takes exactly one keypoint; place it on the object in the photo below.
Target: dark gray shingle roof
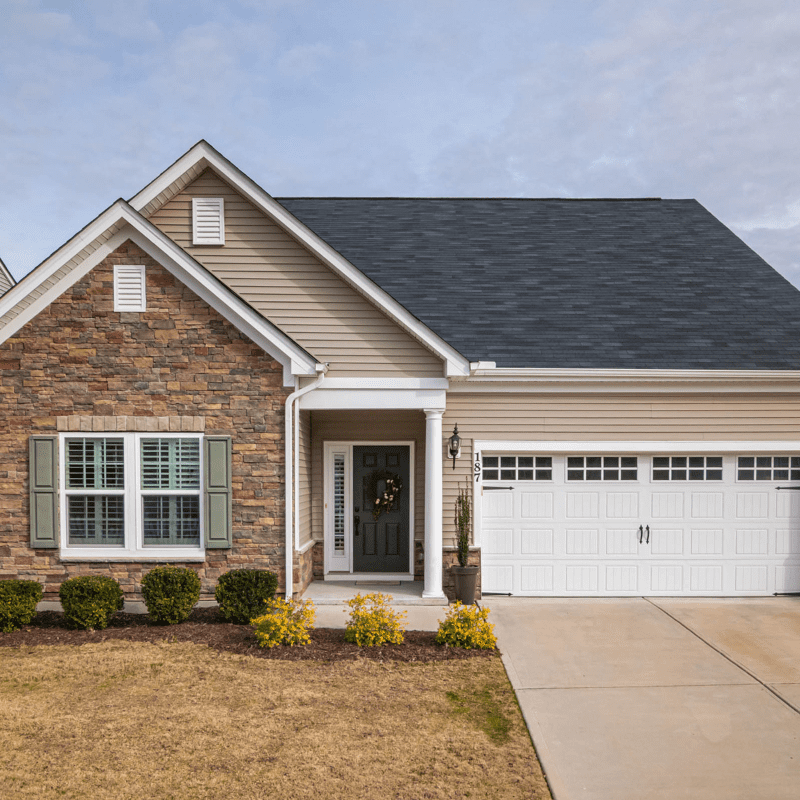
(570, 283)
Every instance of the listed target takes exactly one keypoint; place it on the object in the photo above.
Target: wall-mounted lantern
(455, 445)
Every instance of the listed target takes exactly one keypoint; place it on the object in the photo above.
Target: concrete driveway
(658, 698)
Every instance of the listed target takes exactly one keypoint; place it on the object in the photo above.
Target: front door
(381, 490)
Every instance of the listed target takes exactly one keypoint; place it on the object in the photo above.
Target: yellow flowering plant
(286, 622)
(467, 626)
(372, 622)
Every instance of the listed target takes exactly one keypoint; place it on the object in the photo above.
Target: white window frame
(134, 548)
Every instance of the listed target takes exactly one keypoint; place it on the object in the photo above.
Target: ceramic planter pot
(466, 580)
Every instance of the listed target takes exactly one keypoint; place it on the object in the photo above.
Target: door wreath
(384, 500)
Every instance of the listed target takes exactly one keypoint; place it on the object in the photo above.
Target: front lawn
(176, 719)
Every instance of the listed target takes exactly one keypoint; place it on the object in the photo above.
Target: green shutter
(43, 470)
(217, 486)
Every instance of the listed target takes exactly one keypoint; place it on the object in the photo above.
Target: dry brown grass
(179, 720)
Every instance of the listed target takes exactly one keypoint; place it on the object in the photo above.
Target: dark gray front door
(380, 541)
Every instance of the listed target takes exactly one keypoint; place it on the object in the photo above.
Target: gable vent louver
(208, 220)
(129, 288)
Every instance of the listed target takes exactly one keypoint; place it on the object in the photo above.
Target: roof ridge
(518, 199)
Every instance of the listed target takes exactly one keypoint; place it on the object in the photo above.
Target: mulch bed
(206, 627)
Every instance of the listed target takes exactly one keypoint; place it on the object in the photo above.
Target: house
(209, 376)
(6, 278)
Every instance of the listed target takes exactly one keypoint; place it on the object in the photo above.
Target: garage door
(622, 524)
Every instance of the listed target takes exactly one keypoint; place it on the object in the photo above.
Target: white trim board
(613, 447)
(326, 397)
(203, 152)
(294, 359)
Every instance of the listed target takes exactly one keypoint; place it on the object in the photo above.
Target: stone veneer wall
(154, 370)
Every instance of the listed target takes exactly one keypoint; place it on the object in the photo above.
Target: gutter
(292, 469)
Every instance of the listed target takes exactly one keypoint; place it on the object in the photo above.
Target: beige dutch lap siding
(368, 426)
(612, 417)
(177, 364)
(294, 290)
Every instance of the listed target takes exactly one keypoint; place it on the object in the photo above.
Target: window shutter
(43, 473)
(218, 495)
(129, 288)
(208, 220)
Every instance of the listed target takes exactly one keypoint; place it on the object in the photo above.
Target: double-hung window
(131, 495)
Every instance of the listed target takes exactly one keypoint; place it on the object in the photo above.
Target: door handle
(641, 533)
(356, 524)
(648, 535)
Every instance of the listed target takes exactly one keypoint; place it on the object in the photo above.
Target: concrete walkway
(658, 698)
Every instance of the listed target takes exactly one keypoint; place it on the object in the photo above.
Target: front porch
(349, 447)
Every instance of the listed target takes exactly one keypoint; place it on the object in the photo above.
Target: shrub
(467, 626)
(244, 594)
(372, 622)
(286, 622)
(18, 600)
(170, 594)
(88, 601)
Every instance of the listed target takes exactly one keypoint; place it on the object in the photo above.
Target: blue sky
(667, 98)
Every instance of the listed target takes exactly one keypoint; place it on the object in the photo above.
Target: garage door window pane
(767, 468)
(700, 468)
(518, 468)
(602, 468)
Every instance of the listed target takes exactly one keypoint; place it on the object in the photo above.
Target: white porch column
(433, 503)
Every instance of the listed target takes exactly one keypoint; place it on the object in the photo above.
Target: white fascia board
(455, 363)
(613, 447)
(294, 359)
(386, 383)
(627, 380)
(373, 399)
(64, 254)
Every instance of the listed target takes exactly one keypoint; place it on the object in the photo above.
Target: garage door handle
(796, 488)
(647, 541)
(509, 488)
(641, 534)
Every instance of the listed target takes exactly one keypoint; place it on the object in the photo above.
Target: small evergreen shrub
(287, 622)
(18, 600)
(467, 626)
(89, 600)
(244, 594)
(170, 594)
(372, 622)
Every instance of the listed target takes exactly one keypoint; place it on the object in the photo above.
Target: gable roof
(6, 278)
(203, 156)
(116, 225)
(579, 284)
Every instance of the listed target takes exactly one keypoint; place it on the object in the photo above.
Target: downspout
(290, 470)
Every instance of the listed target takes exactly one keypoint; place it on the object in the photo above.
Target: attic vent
(208, 220)
(129, 288)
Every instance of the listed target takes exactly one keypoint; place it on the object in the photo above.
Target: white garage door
(666, 524)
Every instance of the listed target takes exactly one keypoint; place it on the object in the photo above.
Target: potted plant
(465, 576)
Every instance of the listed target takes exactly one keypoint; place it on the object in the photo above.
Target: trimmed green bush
(18, 600)
(89, 600)
(170, 594)
(244, 594)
